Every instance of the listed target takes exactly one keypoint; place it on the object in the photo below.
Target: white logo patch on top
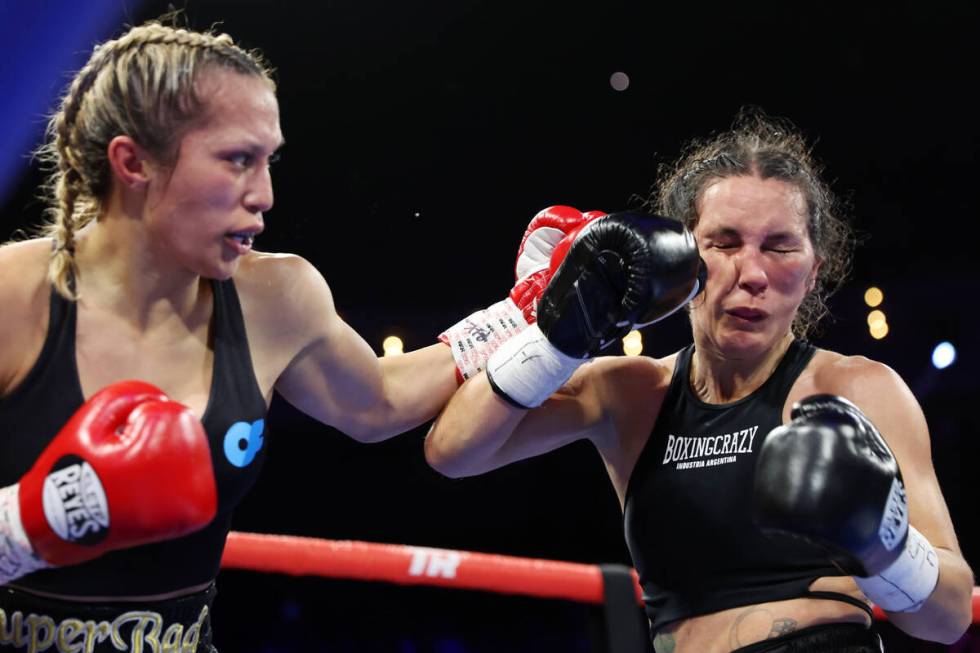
(74, 502)
(692, 453)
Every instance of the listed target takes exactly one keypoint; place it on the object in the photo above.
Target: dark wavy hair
(770, 148)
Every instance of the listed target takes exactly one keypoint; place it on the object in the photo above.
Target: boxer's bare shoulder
(840, 374)
(24, 295)
(284, 299)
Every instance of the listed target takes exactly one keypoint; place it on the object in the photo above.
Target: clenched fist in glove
(130, 467)
(830, 477)
(546, 240)
(621, 271)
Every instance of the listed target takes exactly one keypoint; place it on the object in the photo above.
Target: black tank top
(688, 505)
(234, 420)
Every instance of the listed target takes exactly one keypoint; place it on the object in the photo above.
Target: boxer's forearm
(947, 613)
(474, 426)
(416, 387)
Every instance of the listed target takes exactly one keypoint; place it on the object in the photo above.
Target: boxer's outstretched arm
(335, 377)
(620, 270)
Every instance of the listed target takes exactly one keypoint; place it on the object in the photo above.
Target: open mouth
(241, 240)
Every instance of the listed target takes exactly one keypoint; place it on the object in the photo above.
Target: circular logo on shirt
(243, 441)
(74, 502)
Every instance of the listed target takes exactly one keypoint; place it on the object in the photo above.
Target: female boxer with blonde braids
(159, 178)
(159, 158)
(743, 541)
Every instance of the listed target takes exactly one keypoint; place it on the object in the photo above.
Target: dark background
(423, 136)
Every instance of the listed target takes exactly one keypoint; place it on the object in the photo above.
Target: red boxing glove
(549, 234)
(476, 337)
(130, 467)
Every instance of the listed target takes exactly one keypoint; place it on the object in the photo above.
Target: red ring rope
(414, 565)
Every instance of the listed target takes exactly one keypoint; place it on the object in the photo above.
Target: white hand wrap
(16, 553)
(474, 338)
(527, 369)
(904, 585)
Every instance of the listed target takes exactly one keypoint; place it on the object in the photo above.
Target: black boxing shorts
(33, 623)
(824, 638)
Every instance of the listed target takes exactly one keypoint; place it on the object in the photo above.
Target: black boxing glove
(829, 477)
(621, 271)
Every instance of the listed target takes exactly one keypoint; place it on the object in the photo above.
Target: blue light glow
(943, 355)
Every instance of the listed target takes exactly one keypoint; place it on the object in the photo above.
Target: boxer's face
(201, 212)
(753, 236)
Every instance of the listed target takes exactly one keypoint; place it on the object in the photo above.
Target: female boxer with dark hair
(770, 488)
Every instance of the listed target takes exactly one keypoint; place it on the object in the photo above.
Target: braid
(143, 85)
(62, 266)
(65, 183)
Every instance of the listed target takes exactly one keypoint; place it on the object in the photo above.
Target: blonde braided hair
(143, 85)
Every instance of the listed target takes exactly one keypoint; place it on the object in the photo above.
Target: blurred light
(392, 346)
(619, 81)
(873, 296)
(418, 213)
(876, 317)
(879, 330)
(633, 343)
(943, 355)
